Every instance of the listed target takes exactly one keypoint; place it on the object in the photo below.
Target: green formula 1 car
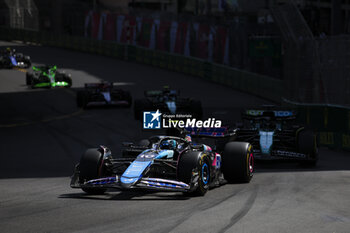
(47, 76)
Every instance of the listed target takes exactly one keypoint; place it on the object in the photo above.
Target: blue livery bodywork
(266, 141)
(13, 61)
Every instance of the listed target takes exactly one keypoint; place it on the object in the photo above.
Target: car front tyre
(195, 163)
(90, 168)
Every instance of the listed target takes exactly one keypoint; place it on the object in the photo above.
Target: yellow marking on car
(21, 69)
(44, 120)
(250, 147)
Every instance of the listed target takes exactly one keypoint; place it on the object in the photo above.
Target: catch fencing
(316, 69)
(20, 14)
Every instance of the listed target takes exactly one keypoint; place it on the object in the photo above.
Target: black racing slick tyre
(238, 162)
(90, 168)
(307, 144)
(28, 63)
(33, 82)
(195, 163)
(28, 79)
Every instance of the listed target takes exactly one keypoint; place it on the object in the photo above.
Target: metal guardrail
(332, 122)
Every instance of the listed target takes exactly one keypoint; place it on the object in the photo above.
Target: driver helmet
(51, 68)
(268, 123)
(169, 144)
(104, 85)
(188, 138)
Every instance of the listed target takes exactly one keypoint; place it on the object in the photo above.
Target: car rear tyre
(238, 162)
(307, 145)
(28, 79)
(195, 162)
(90, 168)
(28, 63)
(82, 99)
(33, 82)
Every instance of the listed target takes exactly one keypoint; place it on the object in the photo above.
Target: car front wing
(143, 183)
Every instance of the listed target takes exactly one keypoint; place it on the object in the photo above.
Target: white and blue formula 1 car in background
(9, 58)
(275, 135)
(166, 163)
(103, 94)
(167, 101)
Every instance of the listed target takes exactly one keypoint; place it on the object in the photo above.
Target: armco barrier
(332, 122)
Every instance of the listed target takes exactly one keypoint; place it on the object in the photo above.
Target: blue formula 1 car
(166, 163)
(10, 59)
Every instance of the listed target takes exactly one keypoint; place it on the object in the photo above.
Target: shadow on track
(329, 160)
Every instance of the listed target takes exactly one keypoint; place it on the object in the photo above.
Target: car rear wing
(277, 114)
(44, 68)
(155, 93)
(216, 133)
(99, 85)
